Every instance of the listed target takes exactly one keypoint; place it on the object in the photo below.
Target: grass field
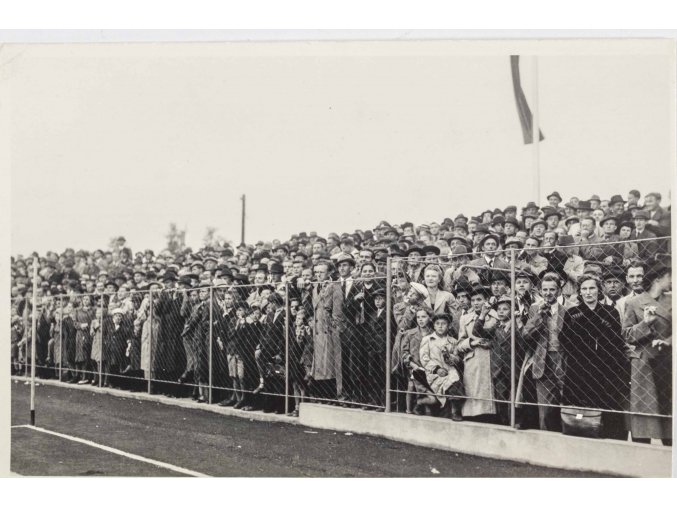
(90, 433)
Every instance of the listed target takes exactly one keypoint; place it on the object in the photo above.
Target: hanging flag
(526, 118)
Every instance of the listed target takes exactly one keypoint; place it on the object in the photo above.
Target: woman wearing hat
(597, 373)
(83, 316)
(476, 354)
(441, 363)
(147, 324)
(117, 336)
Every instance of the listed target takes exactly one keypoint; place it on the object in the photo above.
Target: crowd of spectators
(592, 323)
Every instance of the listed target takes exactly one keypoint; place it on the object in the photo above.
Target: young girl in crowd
(300, 358)
(438, 357)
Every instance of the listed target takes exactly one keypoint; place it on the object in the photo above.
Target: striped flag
(526, 118)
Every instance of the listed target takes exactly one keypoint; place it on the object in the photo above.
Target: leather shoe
(427, 400)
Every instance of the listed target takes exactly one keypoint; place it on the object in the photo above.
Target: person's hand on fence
(659, 344)
(649, 314)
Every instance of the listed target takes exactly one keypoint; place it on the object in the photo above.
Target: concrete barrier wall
(492, 441)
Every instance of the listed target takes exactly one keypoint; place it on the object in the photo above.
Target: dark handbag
(581, 422)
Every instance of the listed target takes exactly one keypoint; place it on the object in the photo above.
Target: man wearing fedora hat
(490, 258)
(616, 205)
(647, 249)
(554, 199)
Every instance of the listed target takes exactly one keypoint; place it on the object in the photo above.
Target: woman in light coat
(148, 321)
(476, 354)
(439, 359)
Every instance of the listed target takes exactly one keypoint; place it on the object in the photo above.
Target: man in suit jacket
(272, 344)
(646, 250)
(634, 278)
(542, 329)
(489, 258)
(345, 263)
(647, 326)
(659, 218)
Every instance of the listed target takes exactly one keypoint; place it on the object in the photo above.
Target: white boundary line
(112, 450)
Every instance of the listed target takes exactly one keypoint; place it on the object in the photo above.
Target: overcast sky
(124, 139)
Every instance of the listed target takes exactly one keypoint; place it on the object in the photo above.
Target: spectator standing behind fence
(375, 345)
(597, 373)
(634, 279)
(476, 354)
(83, 317)
(327, 324)
(647, 327)
(300, 358)
(442, 365)
(345, 263)
(499, 334)
(410, 366)
(117, 335)
(97, 344)
(541, 334)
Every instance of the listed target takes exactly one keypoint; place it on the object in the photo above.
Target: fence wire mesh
(530, 329)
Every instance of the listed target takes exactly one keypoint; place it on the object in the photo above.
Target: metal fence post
(286, 348)
(60, 336)
(512, 338)
(34, 329)
(100, 365)
(388, 330)
(150, 341)
(211, 339)
(25, 322)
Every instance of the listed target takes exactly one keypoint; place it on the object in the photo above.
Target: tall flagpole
(535, 132)
(243, 215)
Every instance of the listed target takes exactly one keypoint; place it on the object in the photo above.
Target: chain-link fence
(535, 333)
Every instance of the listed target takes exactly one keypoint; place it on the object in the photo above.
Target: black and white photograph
(340, 258)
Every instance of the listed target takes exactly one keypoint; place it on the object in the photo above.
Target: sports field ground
(85, 432)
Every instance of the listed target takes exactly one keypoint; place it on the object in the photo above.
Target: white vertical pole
(211, 341)
(286, 348)
(149, 385)
(100, 365)
(33, 337)
(389, 281)
(513, 347)
(535, 131)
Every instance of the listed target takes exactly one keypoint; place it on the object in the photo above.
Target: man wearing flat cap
(348, 335)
